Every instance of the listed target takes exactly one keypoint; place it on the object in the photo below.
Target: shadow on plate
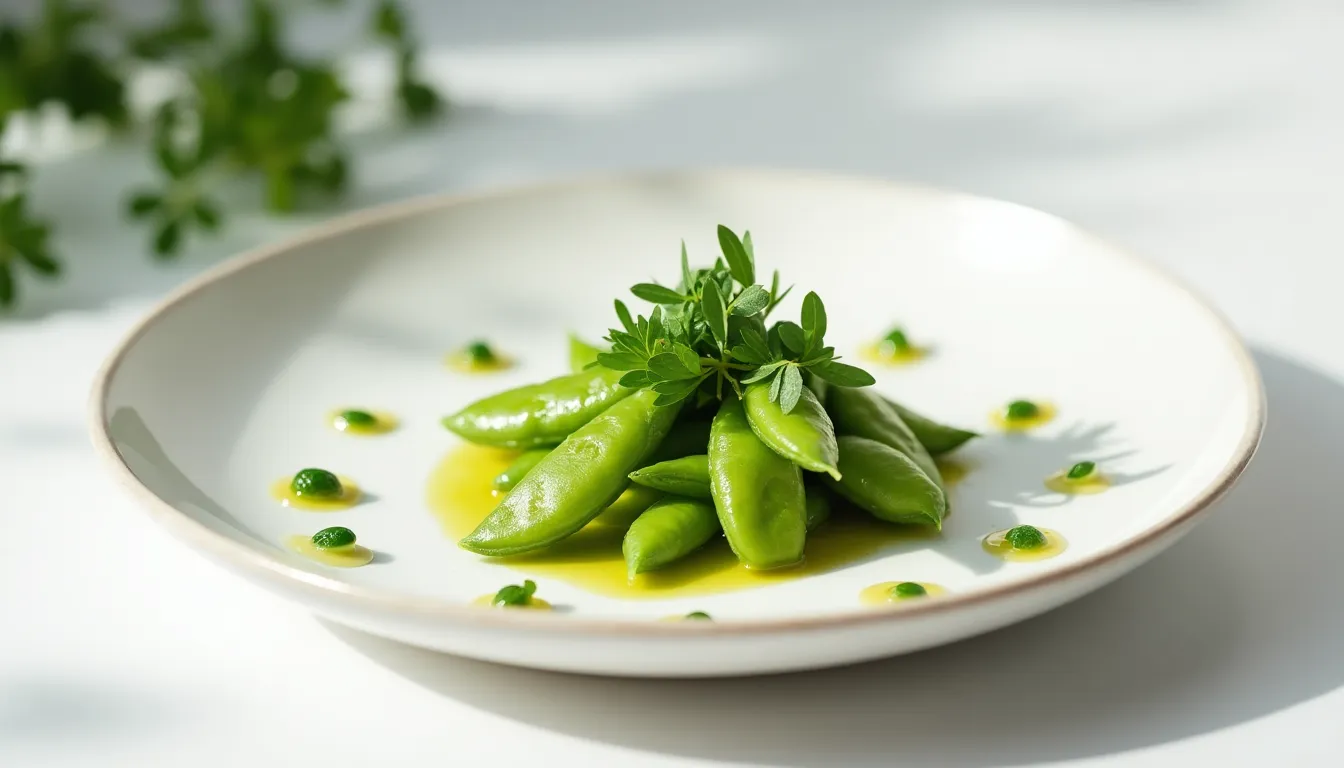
(1200, 639)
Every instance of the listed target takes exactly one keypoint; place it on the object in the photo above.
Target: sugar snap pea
(758, 493)
(516, 471)
(887, 483)
(804, 435)
(676, 526)
(577, 480)
(668, 531)
(865, 413)
(687, 476)
(538, 414)
(935, 437)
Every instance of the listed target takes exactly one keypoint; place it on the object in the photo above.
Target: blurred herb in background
(251, 106)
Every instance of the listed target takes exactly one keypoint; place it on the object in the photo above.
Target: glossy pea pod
(936, 438)
(576, 481)
(804, 435)
(671, 529)
(515, 472)
(687, 476)
(887, 483)
(757, 492)
(538, 414)
(865, 413)
(676, 526)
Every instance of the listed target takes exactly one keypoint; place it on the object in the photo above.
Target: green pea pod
(818, 507)
(668, 531)
(804, 435)
(516, 471)
(573, 484)
(865, 413)
(887, 483)
(539, 414)
(687, 476)
(758, 493)
(935, 437)
(581, 353)
(687, 438)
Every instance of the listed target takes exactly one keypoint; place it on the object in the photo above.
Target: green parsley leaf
(791, 389)
(657, 294)
(739, 263)
(794, 338)
(751, 300)
(716, 315)
(814, 320)
(842, 374)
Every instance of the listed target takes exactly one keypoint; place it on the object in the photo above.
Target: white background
(1204, 134)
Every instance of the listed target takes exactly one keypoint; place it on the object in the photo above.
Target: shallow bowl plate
(226, 387)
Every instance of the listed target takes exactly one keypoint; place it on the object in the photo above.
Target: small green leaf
(623, 315)
(636, 379)
(791, 389)
(689, 359)
(842, 374)
(143, 203)
(207, 215)
(687, 279)
(753, 338)
(747, 246)
(41, 262)
(668, 365)
(654, 330)
(743, 353)
(514, 595)
(679, 385)
(168, 239)
(814, 319)
(658, 294)
(715, 313)
(764, 371)
(793, 337)
(388, 21)
(739, 263)
(776, 386)
(753, 299)
(621, 361)
(6, 284)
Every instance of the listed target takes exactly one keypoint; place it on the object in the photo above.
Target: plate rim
(259, 564)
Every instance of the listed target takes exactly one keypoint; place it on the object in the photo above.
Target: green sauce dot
(896, 341)
(333, 538)
(1021, 409)
(699, 616)
(316, 482)
(907, 589)
(358, 418)
(515, 595)
(1081, 470)
(480, 352)
(1025, 537)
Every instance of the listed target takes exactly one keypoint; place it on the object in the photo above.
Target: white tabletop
(1205, 135)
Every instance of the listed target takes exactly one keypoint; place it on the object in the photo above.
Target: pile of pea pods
(742, 467)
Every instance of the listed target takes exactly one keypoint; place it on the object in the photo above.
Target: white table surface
(1204, 134)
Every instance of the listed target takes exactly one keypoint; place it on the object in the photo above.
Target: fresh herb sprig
(251, 106)
(708, 335)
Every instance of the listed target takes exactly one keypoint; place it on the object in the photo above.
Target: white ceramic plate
(225, 387)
